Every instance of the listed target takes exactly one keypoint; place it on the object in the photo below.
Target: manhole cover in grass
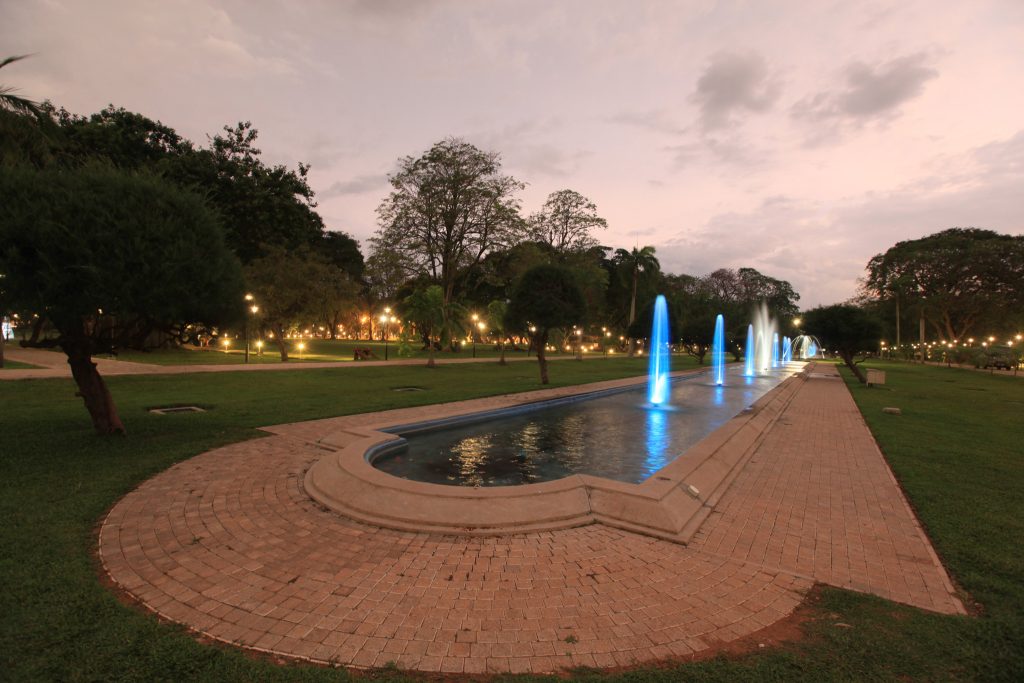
(407, 389)
(168, 410)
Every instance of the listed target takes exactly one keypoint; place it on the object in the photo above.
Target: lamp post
(482, 326)
(385, 320)
(472, 332)
(248, 298)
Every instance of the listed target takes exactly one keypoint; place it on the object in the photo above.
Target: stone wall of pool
(670, 505)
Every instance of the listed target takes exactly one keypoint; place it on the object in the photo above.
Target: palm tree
(425, 309)
(634, 262)
(13, 103)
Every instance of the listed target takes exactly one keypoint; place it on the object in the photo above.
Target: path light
(259, 347)
(225, 343)
(302, 347)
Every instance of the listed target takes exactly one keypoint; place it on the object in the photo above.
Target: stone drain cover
(167, 410)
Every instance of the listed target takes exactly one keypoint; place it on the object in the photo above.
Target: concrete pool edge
(670, 505)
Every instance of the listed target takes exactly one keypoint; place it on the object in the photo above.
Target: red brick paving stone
(274, 568)
(531, 588)
(821, 501)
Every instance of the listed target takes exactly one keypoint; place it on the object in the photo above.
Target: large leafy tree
(259, 204)
(107, 258)
(545, 298)
(958, 279)
(447, 210)
(566, 222)
(845, 329)
(292, 287)
(424, 308)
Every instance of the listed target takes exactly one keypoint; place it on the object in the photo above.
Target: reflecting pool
(617, 436)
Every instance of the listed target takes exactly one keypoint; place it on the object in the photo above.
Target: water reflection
(657, 440)
(613, 436)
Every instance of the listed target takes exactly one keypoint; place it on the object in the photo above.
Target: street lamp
(481, 326)
(249, 298)
(254, 309)
(385, 320)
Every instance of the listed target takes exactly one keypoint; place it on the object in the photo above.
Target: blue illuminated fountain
(775, 349)
(787, 350)
(658, 366)
(718, 352)
(749, 354)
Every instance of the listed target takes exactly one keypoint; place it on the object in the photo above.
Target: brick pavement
(818, 500)
(229, 544)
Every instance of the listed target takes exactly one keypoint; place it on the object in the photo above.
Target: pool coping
(671, 504)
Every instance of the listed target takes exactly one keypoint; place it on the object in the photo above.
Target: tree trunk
(93, 391)
(279, 338)
(430, 355)
(3, 342)
(541, 342)
(854, 368)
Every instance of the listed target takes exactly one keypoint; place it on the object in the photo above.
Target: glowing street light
(386, 320)
(481, 326)
(254, 309)
(302, 347)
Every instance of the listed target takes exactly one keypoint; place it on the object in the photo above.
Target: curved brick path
(229, 544)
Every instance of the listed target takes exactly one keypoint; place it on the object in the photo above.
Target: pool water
(615, 436)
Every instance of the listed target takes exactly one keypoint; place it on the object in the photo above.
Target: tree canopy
(958, 279)
(545, 298)
(844, 329)
(447, 210)
(565, 222)
(109, 258)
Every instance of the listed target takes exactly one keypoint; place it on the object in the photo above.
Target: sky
(798, 138)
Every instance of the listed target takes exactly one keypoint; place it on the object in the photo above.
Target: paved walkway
(229, 544)
(52, 364)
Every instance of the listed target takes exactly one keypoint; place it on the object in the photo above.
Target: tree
(340, 250)
(958, 279)
(846, 330)
(259, 205)
(288, 287)
(447, 210)
(26, 131)
(15, 103)
(107, 258)
(425, 309)
(545, 298)
(565, 222)
(632, 264)
(496, 312)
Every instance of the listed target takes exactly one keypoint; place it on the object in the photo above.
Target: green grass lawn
(956, 449)
(15, 365)
(315, 350)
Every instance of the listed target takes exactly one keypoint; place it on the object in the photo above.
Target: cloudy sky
(800, 138)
